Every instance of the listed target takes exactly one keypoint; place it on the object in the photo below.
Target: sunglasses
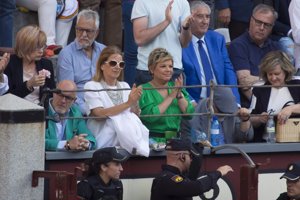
(114, 63)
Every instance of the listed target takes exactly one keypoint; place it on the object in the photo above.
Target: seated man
(235, 129)
(69, 134)
(3, 78)
(292, 176)
(247, 50)
(77, 61)
(206, 56)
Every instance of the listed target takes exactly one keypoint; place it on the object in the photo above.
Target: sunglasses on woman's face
(114, 63)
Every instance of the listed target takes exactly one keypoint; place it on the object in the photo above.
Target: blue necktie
(206, 65)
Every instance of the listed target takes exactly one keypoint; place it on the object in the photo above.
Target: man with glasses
(196, 70)
(292, 176)
(173, 182)
(247, 50)
(77, 61)
(63, 133)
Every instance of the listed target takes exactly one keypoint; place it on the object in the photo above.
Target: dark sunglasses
(113, 63)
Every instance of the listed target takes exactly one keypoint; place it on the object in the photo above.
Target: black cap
(177, 144)
(109, 154)
(292, 172)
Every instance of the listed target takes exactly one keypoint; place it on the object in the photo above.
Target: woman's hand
(178, 84)
(284, 114)
(135, 95)
(36, 80)
(4, 61)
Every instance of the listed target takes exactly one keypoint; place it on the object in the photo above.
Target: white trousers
(57, 30)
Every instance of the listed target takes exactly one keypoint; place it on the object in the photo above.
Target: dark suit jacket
(222, 67)
(263, 98)
(282, 24)
(14, 72)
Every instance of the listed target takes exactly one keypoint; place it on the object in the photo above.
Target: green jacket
(73, 126)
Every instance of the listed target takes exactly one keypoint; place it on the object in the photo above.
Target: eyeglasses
(89, 32)
(259, 23)
(114, 63)
(41, 48)
(202, 17)
(68, 98)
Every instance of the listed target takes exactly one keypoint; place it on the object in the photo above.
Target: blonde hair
(105, 54)
(158, 55)
(274, 58)
(28, 39)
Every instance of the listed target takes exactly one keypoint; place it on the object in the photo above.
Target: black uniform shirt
(93, 188)
(172, 185)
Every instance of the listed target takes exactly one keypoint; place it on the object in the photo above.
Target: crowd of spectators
(167, 45)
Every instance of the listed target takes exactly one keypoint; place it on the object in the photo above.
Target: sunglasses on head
(114, 63)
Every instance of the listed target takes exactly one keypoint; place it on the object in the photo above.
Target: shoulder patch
(177, 179)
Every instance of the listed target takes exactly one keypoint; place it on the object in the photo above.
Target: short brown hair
(158, 55)
(274, 58)
(105, 54)
(28, 39)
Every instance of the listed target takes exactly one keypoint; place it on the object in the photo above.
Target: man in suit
(68, 134)
(213, 43)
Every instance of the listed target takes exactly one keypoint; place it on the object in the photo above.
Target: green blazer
(73, 127)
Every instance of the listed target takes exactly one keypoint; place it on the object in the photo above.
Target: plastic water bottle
(215, 132)
(198, 136)
(270, 130)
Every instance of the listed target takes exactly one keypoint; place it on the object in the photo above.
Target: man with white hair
(77, 61)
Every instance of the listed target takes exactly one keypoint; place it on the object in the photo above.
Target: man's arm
(245, 78)
(186, 33)
(144, 34)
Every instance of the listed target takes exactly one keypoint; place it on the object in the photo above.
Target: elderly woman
(28, 73)
(163, 100)
(276, 70)
(115, 106)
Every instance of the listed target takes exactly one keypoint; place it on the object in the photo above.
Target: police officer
(172, 184)
(102, 181)
(292, 176)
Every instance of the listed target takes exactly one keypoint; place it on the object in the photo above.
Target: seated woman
(115, 105)
(163, 100)
(28, 73)
(276, 70)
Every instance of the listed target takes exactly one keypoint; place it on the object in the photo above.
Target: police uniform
(171, 184)
(292, 173)
(93, 188)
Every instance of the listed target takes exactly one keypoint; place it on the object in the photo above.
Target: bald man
(67, 134)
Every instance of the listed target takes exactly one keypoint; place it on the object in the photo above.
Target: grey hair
(196, 4)
(89, 14)
(263, 8)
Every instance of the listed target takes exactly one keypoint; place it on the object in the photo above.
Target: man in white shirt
(160, 23)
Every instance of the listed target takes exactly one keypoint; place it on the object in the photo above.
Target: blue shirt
(246, 55)
(73, 64)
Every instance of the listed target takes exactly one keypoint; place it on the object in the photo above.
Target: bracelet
(67, 146)
(245, 120)
(185, 28)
